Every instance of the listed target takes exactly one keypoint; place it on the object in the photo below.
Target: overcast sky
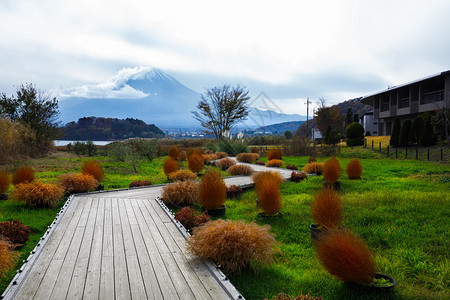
(290, 50)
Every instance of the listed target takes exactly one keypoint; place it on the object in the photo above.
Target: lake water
(65, 143)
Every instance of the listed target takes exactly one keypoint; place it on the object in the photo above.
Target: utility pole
(313, 129)
(307, 116)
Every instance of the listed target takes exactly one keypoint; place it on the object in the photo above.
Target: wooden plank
(134, 272)
(121, 280)
(92, 285)
(143, 226)
(181, 286)
(165, 282)
(160, 212)
(37, 273)
(153, 229)
(107, 287)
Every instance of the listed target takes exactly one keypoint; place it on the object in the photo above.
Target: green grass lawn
(399, 207)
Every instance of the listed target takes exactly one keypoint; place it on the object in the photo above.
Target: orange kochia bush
(22, 174)
(195, 162)
(8, 257)
(213, 191)
(77, 183)
(273, 175)
(268, 191)
(332, 170)
(5, 181)
(274, 154)
(354, 169)
(233, 245)
(181, 193)
(38, 194)
(225, 163)
(346, 257)
(170, 165)
(93, 168)
(247, 157)
(326, 208)
(182, 175)
(174, 153)
(236, 170)
(275, 163)
(313, 167)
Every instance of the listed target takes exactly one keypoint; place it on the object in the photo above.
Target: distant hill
(105, 129)
(356, 106)
(280, 127)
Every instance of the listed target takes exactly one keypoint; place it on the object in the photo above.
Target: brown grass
(22, 175)
(275, 163)
(38, 194)
(5, 182)
(181, 193)
(313, 167)
(332, 170)
(240, 170)
(234, 245)
(268, 191)
(273, 175)
(170, 165)
(195, 162)
(274, 154)
(77, 183)
(182, 175)
(225, 163)
(346, 257)
(174, 153)
(220, 155)
(213, 191)
(354, 169)
(8, 257)
(326, 208)
(93, 168)
(247, 157)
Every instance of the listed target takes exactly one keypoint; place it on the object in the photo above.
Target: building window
(403, 103)
(432, 97)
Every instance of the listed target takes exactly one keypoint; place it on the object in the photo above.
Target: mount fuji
(147, 94)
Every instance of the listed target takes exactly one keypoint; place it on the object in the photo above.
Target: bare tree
(221, 107)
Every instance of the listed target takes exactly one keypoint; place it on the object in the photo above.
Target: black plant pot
(373, 287)
(4, 196)
(216, 212)
(335, 186)
(315, 231)
(100, 187)
(264, 215)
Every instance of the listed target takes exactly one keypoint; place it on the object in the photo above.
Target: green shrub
(404, 133)
(427, 138)
(232, 148)
(354, 134)
(416, 130)
(395, 135)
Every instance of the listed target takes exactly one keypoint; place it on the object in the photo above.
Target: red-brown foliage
(314, 167)
(137, 183)
(331, 170)
(77, 183)
(182, 175)
(275, 163)
(298, 176)
(346, 257)
(38, 194)
(8, 257)
(292, 167)
(240, 170)
(15, 232)
(234, 245)
(220, 155)
(195, 162)
(247, 157)
(312, 159)
(174, 153)
(274, 154)
(22, 175)
(170, 165)
(354, 169)
(268, 191)
(181, 193)
(326, 208)
(260, 162)
(273, 175)
(213, 191)
(190, 218)
(209, 157)
(93, 168)
(225, 163)
(5, 181)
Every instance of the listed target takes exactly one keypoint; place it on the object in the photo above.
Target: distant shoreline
(66, 142)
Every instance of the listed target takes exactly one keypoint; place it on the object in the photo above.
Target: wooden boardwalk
(119, 245)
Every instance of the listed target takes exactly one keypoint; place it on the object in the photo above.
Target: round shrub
(332, 170)
(268, 191)
(292, 167)
(220, 155)
(15, 232)
(77, 183)
(354, 134)
(170, 165)
(257, 177)
(346, 257)
(275, 163)
(298, 176)
(5, 181)
(213, 191)
(38, 194)
(354, 169)
(174, 153)
(326, 209)
(137, 183)
(182, 175)
(181, 193)
(395, 135)
(240, 170)
(195, 162)
(233, 245)
(225, 163)
(404, 133)
(274, 154)
(247, 157)
(93, 168)
(209, 157)
(8, 257)
(190, 218)
(22, 175)
(313, 167)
